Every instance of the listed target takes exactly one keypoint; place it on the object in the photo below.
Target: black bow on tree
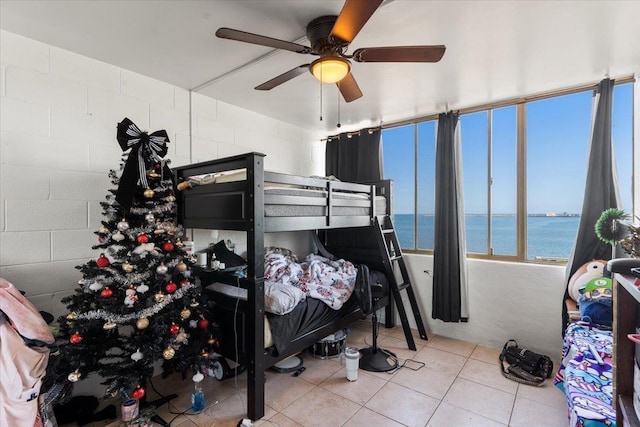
(130, 136)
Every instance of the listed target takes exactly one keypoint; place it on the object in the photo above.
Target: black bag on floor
(524, 366)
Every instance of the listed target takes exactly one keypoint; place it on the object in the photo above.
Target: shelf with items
(626, 314)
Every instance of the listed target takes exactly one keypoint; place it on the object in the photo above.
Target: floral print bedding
(318, 277)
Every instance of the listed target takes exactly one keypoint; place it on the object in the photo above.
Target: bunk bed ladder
(392, 255)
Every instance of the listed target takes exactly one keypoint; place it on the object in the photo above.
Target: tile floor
(460, 385)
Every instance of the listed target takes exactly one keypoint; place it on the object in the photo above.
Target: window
(622, 134)
(473, 135)
(547, 137)
(503, 186)
(558, 131)
(398, 151)
(426, 183)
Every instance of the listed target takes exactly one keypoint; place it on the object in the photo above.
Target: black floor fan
(370, 295)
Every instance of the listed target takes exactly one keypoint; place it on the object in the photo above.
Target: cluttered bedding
(585, 374)
(299, 296)
(287, 282)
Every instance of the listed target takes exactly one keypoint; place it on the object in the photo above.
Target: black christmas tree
(137, 302)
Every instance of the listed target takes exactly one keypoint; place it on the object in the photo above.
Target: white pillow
(280, 298)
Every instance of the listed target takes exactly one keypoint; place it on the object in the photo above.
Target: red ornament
(102, 261)
(157, 166)
(167, 246)
(184, 282)
(75, 338)
(203, 323)
(174, 329)
(100, 239)
(170, 287)
(142, 238)
(138, 393)
(106, 293)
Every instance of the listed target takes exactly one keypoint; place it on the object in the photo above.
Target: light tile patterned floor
(460, 385)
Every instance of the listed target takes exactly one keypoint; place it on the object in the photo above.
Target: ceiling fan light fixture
(330, 69)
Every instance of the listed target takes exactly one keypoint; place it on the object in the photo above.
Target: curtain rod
(494, 105)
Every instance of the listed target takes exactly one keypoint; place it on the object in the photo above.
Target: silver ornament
(161, 269)
(123, 225)
(149, 218)
(118, 237)
(95, 286)
(142, 288)
(137, 355)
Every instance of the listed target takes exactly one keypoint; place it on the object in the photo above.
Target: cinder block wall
(58, 116)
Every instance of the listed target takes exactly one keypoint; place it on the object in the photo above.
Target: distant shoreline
(544, 215)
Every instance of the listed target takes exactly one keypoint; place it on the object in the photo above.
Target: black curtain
(601, 189)
(449, 249)
(356, 158)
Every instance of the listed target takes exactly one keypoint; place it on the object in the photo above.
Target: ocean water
(547, 237)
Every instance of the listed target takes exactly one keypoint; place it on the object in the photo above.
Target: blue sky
(557, 145)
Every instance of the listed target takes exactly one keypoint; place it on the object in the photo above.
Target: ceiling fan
(330, 37)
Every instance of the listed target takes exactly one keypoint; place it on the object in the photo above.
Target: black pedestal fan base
(376, 361)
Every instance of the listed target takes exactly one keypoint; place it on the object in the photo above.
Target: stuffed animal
(595, 302)
(587, 271)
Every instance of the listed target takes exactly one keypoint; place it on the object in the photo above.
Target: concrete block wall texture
(58, 117)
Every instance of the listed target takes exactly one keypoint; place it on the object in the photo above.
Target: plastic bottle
(197, 398)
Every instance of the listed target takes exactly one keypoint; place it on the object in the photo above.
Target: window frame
(521, 170)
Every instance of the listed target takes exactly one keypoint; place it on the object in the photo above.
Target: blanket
(332, 282)
(585, 375)
(21, 366)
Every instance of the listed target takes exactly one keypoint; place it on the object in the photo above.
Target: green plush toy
(595, 302)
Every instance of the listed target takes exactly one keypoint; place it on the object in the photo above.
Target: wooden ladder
(391, 255)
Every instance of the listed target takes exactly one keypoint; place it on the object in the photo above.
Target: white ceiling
(496, 50)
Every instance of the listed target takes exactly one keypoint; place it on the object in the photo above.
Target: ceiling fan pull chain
(339, 124)
(320, 101)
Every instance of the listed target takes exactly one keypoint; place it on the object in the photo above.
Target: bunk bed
(240, 195)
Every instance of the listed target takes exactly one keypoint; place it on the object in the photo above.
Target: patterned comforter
(318, 277)
(585, 375)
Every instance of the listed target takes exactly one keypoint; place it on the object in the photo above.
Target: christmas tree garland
(148, 312)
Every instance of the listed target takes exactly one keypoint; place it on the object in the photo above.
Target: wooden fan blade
(353, 16)
(243, 36)
(399, 54)
(284, 77)
(349, 88)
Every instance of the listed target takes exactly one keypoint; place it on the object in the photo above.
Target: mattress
(279, 330)
(275, 207)
(286, 200)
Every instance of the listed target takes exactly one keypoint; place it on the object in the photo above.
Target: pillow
(288, 253)
(280, 298)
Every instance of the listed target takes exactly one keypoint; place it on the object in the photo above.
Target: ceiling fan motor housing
(318, 32)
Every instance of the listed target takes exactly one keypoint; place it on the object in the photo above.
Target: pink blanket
(21, 367)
